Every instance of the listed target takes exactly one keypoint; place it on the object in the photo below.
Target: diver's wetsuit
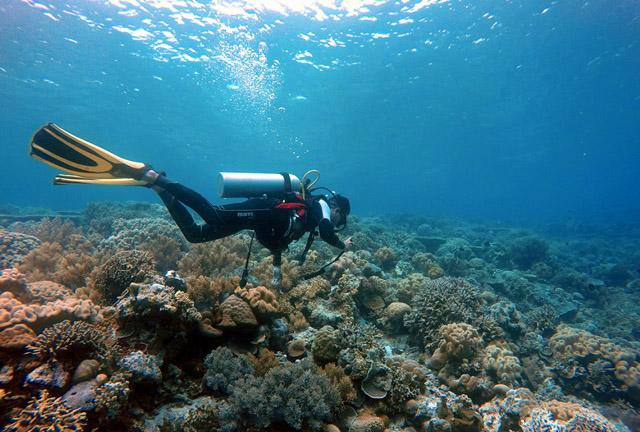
(275, 228)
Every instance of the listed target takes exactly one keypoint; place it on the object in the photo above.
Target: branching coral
(47, 414)
(121, 270)
(207, 292)
(100, 216)
(69, 263)
(225, 369)
(68, 339)
(51, 230)
(214, 259)
(263, 362)
(294, 394)
(439, 302)
(407, 382)
(341, 381)
(129, 234)
(42, 261)
(112, 396)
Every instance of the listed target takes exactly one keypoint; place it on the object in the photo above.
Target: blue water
(524, 111)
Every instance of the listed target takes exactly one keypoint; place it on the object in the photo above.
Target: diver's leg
(189, 197)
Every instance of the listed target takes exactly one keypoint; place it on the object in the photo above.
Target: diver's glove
(277, 277)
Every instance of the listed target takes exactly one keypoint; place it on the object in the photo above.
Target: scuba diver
(279, 210)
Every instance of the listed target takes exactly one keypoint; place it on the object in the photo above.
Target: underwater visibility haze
(488, 278)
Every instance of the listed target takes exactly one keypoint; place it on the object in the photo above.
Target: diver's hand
(348, 243)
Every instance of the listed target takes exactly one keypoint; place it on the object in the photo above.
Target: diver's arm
(322, 213)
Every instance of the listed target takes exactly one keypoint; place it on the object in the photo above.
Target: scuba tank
(248, 185)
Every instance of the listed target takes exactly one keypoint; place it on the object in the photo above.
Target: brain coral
(439, 302)
(262, 300)
(47, 414)
(557, 416)
(235, 313)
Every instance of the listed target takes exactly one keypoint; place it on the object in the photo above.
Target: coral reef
(294, 395)
(45, 413)
(64, 339)
(14, 247)
(426, 325)
(123, 268)
(439, 302)
(590, 363)
(224, 370)
(564, 417)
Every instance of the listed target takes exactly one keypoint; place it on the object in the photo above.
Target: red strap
(291, 205)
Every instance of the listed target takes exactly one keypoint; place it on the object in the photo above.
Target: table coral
(47, 414)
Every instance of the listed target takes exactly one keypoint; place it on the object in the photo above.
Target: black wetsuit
(275, 227)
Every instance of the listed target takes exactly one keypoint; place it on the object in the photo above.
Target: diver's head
(340, 209)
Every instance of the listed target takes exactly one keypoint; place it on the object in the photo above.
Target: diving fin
(62, 179)
(82, 160)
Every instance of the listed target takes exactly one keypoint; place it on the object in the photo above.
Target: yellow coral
(501, 361)
(47, 414)
(458, 341)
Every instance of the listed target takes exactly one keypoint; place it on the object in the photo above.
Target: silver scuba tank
(248, 185)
